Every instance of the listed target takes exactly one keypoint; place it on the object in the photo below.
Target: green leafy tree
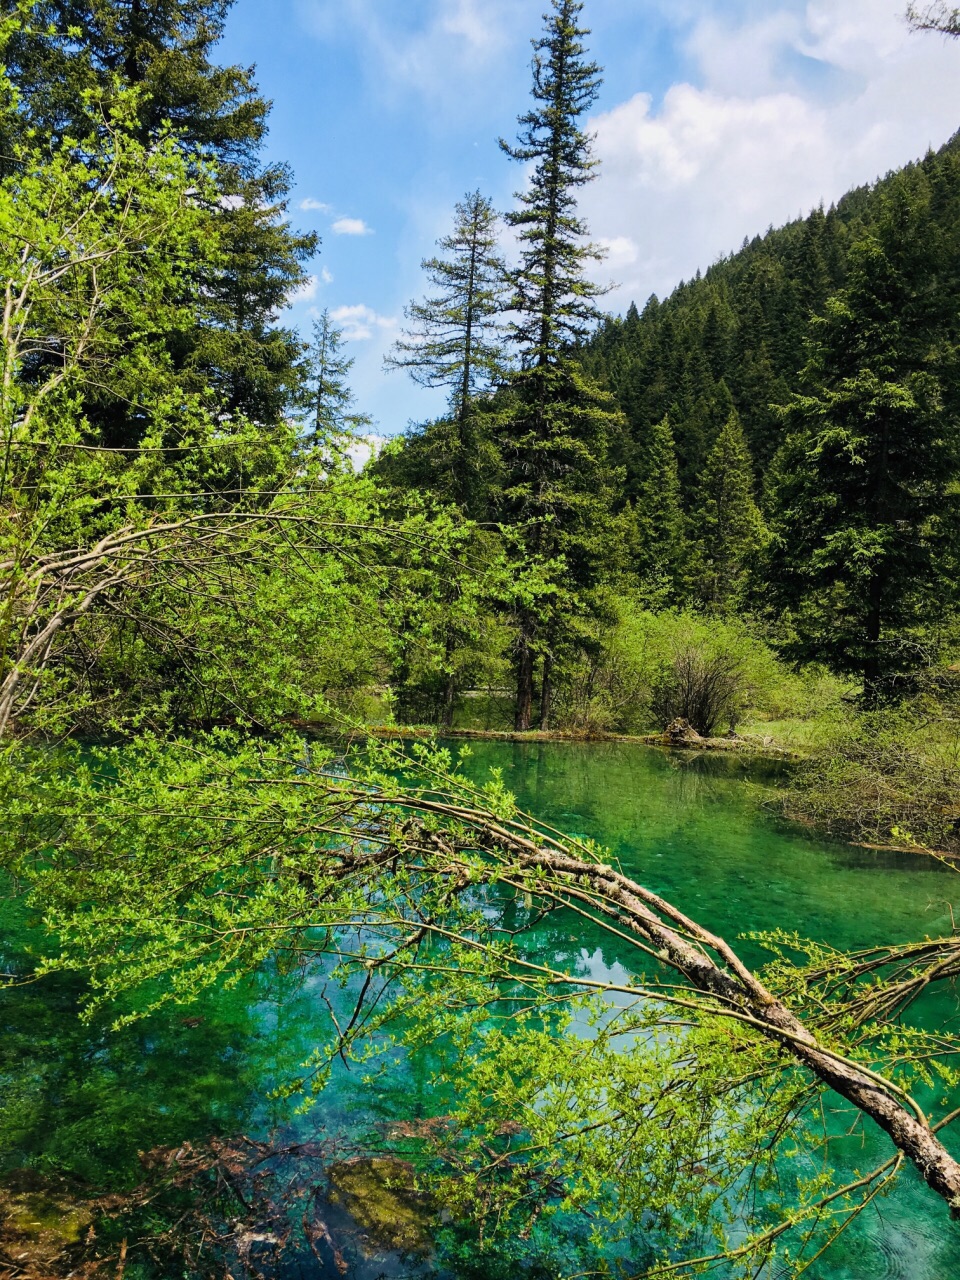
(94, 242)
(652, 1123)
(187, 579)
(449, 634)
(864, 499)
(727, 525)
(164, 866)
(556, 442)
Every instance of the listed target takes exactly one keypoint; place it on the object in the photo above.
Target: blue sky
(717, 118)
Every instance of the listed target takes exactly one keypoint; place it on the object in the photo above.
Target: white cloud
(744, 60)
(791, 109)
(857, 33)
(364, 449)
(361, 323)
(306, 292)
(456, 44)
(351, 227)
(619, 252)
(310, 205)
(474, 23)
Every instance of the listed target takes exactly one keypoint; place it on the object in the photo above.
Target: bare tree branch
(935, 17)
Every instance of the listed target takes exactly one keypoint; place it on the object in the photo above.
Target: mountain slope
(736, 335)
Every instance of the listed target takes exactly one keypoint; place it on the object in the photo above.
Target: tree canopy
(157, 56)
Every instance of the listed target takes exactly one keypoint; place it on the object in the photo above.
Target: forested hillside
(780, 445)
(736, 335)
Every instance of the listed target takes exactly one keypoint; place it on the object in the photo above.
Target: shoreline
(731, 746)
(663, 742)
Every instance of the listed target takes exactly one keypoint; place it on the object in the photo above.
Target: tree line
(708, 452)
(776, 440)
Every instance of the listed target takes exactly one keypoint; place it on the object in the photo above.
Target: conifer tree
(812, 271)
(328, 398)
(68, 49)
(553, 299)
(727, 524)
(748, 319)
(716, 341)
(455, 339)
(659, 519)
(864, 493)
(235, 351)
(555, 445)
(699, 410)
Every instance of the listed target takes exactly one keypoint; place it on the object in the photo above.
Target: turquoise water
(82, 1101)
(704, 832)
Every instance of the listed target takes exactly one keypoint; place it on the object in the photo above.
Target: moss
(39, 1217)
(42, 1225)
(380, 1194)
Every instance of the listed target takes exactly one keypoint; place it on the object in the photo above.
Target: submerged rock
(39, 1223)
(380, 1194)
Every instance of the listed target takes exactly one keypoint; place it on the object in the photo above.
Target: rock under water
(380, 1194)
(39, 1224)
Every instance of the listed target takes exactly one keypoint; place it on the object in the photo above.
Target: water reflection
(79, 1101)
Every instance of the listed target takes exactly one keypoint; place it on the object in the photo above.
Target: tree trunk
(873, 661)
(449, 702)
(684, 945)
(462, 480)
(709, 964)
(546, 693)
(524, 708)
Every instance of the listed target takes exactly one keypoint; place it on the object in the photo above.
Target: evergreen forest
(276, 720)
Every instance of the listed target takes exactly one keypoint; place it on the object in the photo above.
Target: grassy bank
(746, 744)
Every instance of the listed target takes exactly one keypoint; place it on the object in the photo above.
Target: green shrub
(889, 777)
(648, 668)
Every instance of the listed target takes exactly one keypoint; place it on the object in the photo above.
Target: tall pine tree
(728, 529)
(327, 398)
(68, 50)
(658, 519)
(555, 445)
(865, 488)
(455, 338)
